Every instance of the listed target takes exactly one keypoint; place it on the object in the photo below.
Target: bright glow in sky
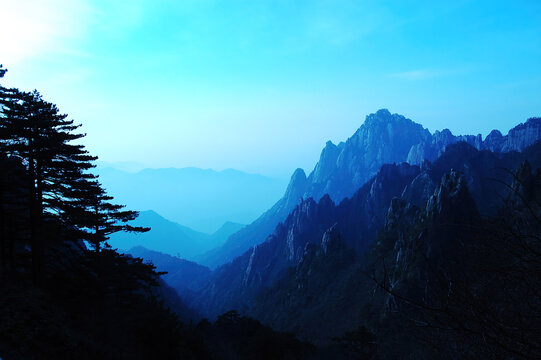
(260, 86)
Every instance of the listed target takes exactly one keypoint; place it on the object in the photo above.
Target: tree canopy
(49, 169)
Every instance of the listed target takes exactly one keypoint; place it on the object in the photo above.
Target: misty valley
(270, 180)
(399, 241)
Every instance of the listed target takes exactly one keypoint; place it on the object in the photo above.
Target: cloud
(426, 74)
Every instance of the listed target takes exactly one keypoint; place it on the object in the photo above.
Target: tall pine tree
(59, 186)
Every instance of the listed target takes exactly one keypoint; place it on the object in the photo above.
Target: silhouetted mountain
(455, 284)
(225, 231)
(342, 169)
(171, 238)
(197, 198)
(184, 276)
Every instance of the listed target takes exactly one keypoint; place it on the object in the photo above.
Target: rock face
(383, 138)
(257, 231)
(451, 193)
(518, 139)
(357, 220)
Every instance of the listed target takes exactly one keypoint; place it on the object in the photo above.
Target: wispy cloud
(427, 73)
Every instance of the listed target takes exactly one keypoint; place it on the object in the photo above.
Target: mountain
(312, 274)
(200, 199)
(328, 293)
(185, 277)
(171, 238)
(342, 169)
(468, 282)
(251, 235)
(235, 285)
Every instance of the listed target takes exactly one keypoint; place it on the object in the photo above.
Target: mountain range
(170, 237)
(201, 199)
(316, 274)
(383, 138)
(399, 242)
(186, 277)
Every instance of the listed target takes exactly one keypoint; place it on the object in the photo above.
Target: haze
(260, 86)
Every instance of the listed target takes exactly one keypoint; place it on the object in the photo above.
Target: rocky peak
(444, 137)
(518, 138)
(419, 190)
(384, 125)
(331, 239)
(296, 187)
(494, 141)
(451, 200)
(523, 135)
(400, 212)
(326, 163)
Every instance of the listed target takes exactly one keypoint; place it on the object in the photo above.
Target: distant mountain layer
(184, 276)
(197, 198)
(171, 238)
(383, 138)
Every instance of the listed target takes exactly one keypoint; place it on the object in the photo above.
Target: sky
(260, 86)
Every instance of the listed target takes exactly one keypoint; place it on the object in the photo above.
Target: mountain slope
(321, 295)
(342, 169)
(185, 277)
(171, 238)
(251, 235)
(235, 285)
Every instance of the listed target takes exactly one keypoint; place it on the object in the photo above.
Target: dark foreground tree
(95, 216)
(59, 187)
(34, 131)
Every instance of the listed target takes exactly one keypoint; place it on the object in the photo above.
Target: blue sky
(260, 86)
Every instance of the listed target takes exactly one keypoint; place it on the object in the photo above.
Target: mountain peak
(383, 113)
(452, 200)
(384, 116)
(296, 187)
(298, 175)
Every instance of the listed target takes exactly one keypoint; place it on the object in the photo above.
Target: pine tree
(34, 131)
(96, 217)
(57, 185)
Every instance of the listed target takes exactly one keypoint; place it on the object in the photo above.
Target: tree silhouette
(59, 187)
(34, 131)
(96, 217)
